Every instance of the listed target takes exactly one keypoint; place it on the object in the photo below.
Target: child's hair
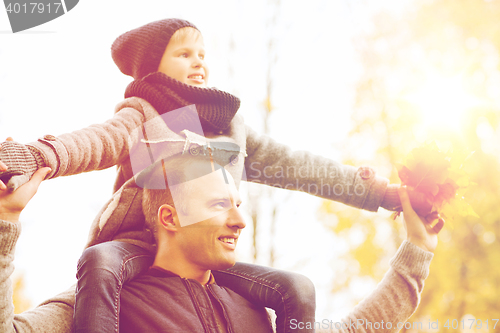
(185, 33)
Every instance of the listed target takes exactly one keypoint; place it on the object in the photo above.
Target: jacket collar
(157, 271)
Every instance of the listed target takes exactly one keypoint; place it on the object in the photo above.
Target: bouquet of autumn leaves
(439, 180)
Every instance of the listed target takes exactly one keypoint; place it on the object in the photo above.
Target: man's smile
(228, 241)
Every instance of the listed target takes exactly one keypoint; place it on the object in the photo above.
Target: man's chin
(225, 265)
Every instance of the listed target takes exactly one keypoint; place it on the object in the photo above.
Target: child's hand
(419, 202)
(418, 228)
(12, 203)
(18, 164)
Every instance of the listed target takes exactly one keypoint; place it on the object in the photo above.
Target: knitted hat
(138, 52)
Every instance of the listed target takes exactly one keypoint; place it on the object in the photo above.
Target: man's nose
(236, 220)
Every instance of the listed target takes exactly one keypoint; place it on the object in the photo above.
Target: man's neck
(176, 265)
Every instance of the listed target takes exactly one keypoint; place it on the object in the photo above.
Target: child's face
(184, 61)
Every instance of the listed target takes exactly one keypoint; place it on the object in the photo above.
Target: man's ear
(167, 216)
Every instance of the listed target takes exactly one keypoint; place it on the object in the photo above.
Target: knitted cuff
(38, 157)
(19, 158)
(412, 260)
(391, 199)
(9, 233)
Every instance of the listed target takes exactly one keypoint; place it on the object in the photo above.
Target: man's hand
(4, 167)
(419, 230)
(12, 203)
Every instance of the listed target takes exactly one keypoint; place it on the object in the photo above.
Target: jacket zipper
(228, 324)
(196, 305)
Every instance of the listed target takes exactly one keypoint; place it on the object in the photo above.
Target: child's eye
(184, 55)
(202, 56)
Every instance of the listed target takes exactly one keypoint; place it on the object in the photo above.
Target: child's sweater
(263, 160)
(138, 127)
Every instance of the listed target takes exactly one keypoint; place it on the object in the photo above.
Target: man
(197, 229)
(394, 300)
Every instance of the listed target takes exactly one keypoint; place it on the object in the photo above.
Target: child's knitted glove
(22, 162)
(418, 201)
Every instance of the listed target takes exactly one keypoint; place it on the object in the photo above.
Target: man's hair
(171, 172)
(183, 33)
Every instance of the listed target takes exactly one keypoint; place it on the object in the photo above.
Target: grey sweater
(394, 300)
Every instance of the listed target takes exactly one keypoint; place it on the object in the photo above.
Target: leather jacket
(160, 301)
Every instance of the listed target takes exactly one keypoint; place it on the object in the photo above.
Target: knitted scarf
(215, 108)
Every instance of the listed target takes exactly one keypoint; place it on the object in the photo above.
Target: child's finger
(9, 139)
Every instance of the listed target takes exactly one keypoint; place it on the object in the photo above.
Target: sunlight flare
(442, 101)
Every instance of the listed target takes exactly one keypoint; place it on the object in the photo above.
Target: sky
(59, 77)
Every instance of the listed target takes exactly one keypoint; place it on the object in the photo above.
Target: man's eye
(220, 204)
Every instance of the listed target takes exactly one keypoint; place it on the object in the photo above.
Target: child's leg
(102, 270)
(292, 296)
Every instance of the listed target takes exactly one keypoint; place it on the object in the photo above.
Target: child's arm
(93, 148)
(275, 164)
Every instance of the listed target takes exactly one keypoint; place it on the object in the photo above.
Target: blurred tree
(259, 195)
(430, 74)
(21, 302)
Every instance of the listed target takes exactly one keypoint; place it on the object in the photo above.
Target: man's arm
(54, 315)
(397, 296)
(394, 300)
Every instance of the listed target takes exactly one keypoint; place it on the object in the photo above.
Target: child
(166, 59)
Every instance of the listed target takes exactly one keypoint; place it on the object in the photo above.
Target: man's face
(210, 243)
(184, 60)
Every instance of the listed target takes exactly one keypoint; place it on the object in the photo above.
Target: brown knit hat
(138, 52)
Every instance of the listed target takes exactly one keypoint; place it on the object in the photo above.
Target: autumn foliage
(439, 178)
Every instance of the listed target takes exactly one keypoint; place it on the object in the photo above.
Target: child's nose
(197, 62)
